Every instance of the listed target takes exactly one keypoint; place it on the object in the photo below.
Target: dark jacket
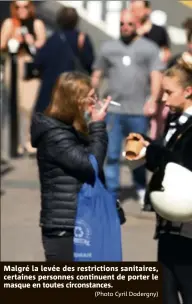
(55, 57)
(173, 60)
(62, 156)
(177, 150)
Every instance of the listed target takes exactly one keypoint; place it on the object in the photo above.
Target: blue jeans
(119, 126)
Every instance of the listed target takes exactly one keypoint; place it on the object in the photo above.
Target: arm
(165, 46)
(100, 68)
(5, 34)
(96, 78)
(87, 54)
(155, 68)
(44, 54)
(98, 142)
(166, 54)
(65, 150)
(40, 32)
(156, 85)
(157, 154)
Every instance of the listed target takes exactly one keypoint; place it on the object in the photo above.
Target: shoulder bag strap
(75, 58)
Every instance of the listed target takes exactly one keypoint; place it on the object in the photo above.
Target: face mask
(87, 116)
(128, 39)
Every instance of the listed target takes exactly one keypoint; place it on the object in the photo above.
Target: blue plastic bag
(97, 233)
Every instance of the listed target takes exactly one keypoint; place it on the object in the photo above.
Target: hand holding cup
(134, 144)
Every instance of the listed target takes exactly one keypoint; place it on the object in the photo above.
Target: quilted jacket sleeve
(64, 148)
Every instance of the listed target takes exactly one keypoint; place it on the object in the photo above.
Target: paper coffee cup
(133, 148)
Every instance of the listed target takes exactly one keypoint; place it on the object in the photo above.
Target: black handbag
(121, 213)
(31, 71)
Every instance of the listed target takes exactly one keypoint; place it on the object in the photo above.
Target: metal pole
(13, 107)
(104, 10)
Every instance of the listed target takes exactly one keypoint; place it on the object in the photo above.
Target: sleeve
(98, 139)
(44, 54)
(173, 61)
(157, 154)
(101, 62)
(155, 62)
(87, 55)
(65, 149)
(40, 58)
(164, 39)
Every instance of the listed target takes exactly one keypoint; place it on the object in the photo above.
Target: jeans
(119, 126)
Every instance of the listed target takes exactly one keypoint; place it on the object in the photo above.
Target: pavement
(20, 207)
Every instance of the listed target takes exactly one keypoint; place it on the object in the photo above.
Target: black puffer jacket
(62, 156)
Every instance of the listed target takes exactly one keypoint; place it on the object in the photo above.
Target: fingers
(146, 143)
(134, 135)
(106, 104)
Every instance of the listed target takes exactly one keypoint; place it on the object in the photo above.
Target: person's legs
(58, 248)
(137, 124)
(24, 133)
(112, 167)
(165, 258)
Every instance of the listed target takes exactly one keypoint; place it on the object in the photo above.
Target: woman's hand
(139, 137)
(100, 114)
(133, 136)
(150, 108)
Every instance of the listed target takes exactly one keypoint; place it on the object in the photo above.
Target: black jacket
(177, 150)
(62, 156)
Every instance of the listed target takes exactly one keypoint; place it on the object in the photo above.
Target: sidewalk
(20, 206)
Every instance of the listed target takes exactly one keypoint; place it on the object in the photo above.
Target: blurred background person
(66, 50)
(133, 68)
(187, 24)
(30, 32)
(142, 11)
(70, 129)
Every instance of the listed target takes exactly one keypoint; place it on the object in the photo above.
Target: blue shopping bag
(97, 232)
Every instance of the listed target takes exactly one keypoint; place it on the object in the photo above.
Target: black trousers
(58, 248)
(175, 256)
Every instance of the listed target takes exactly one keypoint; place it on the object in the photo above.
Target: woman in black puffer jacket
(70, 129)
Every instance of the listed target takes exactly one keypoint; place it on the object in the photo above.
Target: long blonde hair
(182, 70)
(68, 100)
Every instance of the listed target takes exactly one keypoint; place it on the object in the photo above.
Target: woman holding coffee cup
(174, 238)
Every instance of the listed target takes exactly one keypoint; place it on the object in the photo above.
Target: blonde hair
(68, 99)
(182, 70)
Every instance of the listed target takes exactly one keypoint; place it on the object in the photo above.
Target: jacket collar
(179, 132)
